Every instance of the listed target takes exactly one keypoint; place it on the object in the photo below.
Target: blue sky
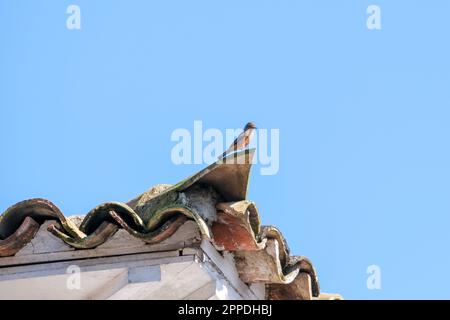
(86, 117)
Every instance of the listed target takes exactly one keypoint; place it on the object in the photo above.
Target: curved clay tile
(261, 252)
(21, 236)
(237, 226)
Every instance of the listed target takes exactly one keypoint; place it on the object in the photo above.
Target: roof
(215, 198)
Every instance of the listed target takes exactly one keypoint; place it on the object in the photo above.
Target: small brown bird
(242, 141)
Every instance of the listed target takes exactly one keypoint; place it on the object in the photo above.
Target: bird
(242, 141)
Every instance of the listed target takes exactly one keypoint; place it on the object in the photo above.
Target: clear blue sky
(86, 117)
